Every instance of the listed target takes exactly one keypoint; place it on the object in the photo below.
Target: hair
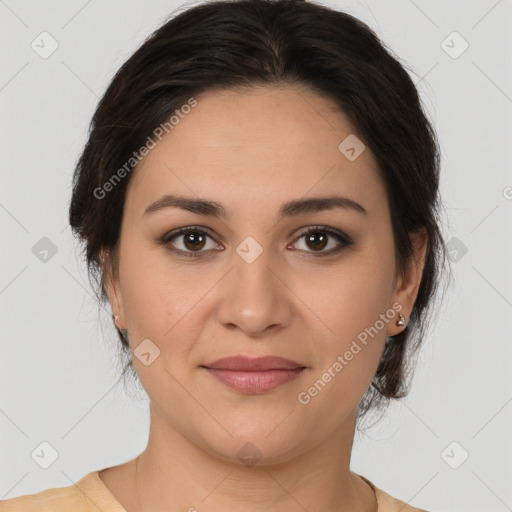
(236, 44)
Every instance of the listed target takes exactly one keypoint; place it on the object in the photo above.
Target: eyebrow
(206, 207)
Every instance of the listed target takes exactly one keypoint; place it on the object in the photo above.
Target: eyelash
(339, 236)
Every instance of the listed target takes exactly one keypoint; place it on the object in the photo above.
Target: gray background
(58, 366)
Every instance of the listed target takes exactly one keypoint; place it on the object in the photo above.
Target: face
(314, 284)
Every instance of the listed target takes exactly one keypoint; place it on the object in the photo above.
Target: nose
(254, 298)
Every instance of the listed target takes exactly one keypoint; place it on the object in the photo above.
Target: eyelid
(319, 227)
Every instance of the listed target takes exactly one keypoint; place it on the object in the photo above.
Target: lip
(253, 364)
(254, 375)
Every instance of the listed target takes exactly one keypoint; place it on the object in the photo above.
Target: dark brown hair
(225, 44)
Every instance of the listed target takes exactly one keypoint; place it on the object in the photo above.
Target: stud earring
(401, 319)
(124, 332)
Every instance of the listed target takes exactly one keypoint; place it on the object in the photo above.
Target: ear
(112, 289)
(408, 283)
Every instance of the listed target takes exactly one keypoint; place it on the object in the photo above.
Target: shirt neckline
(92, 484)
(98, 493)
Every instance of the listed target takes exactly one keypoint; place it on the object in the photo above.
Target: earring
(401, 319)
(124, 332)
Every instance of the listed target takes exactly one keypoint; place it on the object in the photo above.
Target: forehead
(250, 148)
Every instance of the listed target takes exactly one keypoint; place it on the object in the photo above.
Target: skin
(252, 151)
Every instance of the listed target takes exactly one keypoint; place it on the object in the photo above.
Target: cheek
(350, 303)
(347, 352)
(351, 296)
(161, 300)
(149, 298)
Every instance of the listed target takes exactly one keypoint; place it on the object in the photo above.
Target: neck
(173, 474)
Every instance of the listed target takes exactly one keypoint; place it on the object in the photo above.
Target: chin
(255, 452)
(257, 443)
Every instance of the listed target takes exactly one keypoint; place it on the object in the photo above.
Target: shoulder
(86, 495)
(388, 503)
(54, 499)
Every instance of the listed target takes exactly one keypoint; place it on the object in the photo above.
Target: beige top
(90, 494)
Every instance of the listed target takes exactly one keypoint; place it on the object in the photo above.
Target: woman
(258, 201)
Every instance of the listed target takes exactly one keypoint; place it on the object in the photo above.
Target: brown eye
(316, 239)
(193, 240)
(189, 241)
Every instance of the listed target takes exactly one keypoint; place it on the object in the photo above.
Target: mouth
(254, 375)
